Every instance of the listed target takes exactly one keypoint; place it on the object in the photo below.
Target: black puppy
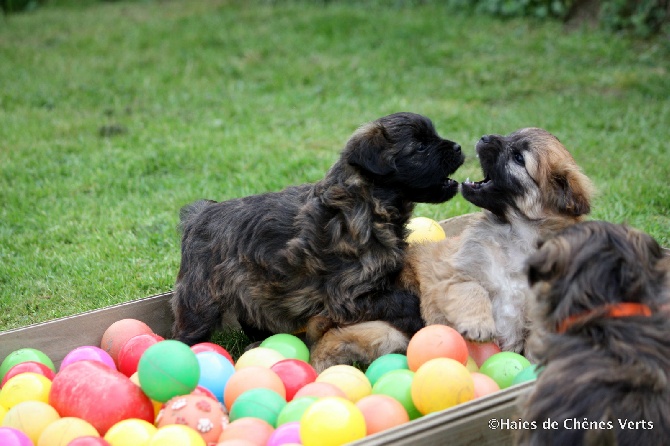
(334, 248)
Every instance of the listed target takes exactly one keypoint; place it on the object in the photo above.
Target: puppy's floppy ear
(571, 192)
(366, 150)
(548, 261)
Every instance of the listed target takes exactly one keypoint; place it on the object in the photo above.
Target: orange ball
(251, 377)
(436, 341)
(199, 412)
(381, 412)
(253, 430)
(484, 384)
(119, 333)
(320, 390)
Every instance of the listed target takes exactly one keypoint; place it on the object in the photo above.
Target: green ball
(384, 364)
(503, 367)
(288, 345)
(528, 374)
(168, 369)
(260, 403)
(398, 385)
(294, 409)
(24, 355)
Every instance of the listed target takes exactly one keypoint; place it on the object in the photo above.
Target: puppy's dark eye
(422, 147)
(518, 157)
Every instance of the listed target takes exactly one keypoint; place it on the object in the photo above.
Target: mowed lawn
(115, 114)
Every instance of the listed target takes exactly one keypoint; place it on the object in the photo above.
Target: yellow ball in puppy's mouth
(423, 229)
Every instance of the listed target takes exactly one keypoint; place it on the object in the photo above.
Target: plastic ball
(90, 441)
(201, 413)
(254, 430)
(381, 412)
(25, 387)
(290, 346)
(90, 353)
(384, 364)
(176, 435)
(527, 374)
(423, 229)
(436, 341)
(398, 385)
(252, 377)
(484, 385)
(332, 421)
(13, 437)
(295, 374)
(319, 390)
(503, 367)
(211, 347)
(119, 333)
(31, 418)
(63, 431)
(3, 412)
(471, 365)
(294, 409)
(28, 366)
(98, 394)
(168, 369)
(441, 383)
(285, 434)
(131, 352)
(260, 356)
(349, 379)
(215, 371)
(130, 432)
(258, 403)
(23, 355)
(481, 351)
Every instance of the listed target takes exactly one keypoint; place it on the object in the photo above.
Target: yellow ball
(176, 435)
(260, 356)
(130, 432)
(348, 379)
(331, 421)
(64, 430)
(25, 387)
(471, 365)
(441, 383)
(31, 418)
(3, 412)
(423, 229)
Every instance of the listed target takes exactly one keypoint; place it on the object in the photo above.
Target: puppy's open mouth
(477, 184)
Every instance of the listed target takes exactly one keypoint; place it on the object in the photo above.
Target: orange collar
(623, 309)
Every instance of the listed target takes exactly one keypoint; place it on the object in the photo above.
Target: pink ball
(99, 395)
(319, 390)
(88, 352)
(13, 437)
(295, 374)
(89, 441)
(288, 433)
(28, 366)
(131, 352)
(119, 332)
(211, 347)
(381, 412)
(484, 384)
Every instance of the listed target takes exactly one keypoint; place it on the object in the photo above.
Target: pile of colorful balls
(138, 389)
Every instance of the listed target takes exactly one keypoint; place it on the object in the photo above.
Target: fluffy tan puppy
(476, 282)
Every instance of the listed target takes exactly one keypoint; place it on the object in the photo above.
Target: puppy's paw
(480, 328)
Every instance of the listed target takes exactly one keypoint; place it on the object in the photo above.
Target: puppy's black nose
(457, 148)
(486, 139)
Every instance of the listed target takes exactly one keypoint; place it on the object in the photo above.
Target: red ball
(211, 347)
(95, 393)
(118, 334)
(481, 351)
(295, 374)
(131, 352)
(28, 366)
(436, 341)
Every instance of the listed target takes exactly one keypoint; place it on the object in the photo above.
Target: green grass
(221, 99)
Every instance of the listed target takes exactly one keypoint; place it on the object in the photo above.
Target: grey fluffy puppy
(334, 248)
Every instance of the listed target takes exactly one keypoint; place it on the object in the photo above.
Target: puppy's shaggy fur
(476, 282)
(602, 296)
(333, 248)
